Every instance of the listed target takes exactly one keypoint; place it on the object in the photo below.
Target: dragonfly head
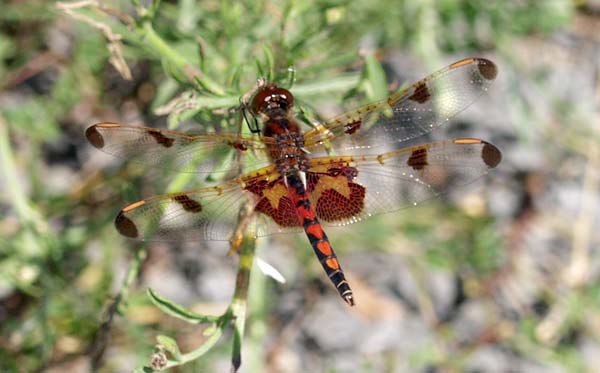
(272, 101)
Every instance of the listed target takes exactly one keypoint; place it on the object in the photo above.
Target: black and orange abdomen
(318, 239)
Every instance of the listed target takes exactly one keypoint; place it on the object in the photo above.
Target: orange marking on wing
(332, 263)
(275, 194)
(319, 167)
(462, 63)
(316, 230)
(337, 183)
(108, 125)
(133, 206)
(467, 141)
(325, 248)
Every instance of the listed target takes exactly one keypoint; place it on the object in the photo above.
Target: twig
(115, 45)
(98, 345)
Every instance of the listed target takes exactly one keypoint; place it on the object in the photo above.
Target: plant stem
(240, 297)
(207, 345)
(18, 199)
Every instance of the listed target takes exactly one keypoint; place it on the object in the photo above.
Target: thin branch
(115, 45)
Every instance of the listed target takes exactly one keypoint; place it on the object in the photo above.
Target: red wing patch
(334, 194)
(275, 202)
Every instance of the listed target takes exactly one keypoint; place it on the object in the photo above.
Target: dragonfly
(336, 173)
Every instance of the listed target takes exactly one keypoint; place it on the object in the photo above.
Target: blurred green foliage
(58, 246)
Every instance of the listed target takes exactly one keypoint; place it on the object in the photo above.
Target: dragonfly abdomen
(319, 241)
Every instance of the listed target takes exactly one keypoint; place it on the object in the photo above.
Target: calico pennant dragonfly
(338, 173)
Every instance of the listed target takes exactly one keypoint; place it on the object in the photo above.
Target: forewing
(413, 112)
(179, 151)
(347, 189)
(201, 214)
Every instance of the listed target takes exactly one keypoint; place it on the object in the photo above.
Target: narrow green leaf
(375, 78)
(269, 62)
(177, 310)
(259, 68)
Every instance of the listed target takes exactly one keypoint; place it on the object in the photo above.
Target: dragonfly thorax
(289, 154)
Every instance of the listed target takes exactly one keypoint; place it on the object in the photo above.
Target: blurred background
(502, 275)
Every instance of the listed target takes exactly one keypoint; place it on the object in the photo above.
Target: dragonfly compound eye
(272, 98)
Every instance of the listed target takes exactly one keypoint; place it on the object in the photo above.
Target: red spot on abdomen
(307, 214)
(325, 248)
(315, 230)
(333, 263)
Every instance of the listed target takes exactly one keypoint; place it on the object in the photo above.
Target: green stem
(240, 298)
(98, 345)
(207, 345)
(236, 311)
(133, 272)
(15, 190)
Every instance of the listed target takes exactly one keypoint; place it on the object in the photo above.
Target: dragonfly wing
(347, 189)
(176, 150)
(208, 213)
(415, 111)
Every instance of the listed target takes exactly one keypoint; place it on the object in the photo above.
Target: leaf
(170, 345)
(375, 78)
(177, 310)
(269, 62)
(210, 330)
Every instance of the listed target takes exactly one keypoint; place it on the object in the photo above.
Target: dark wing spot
(94, 137)
(125, 226)
(352, 127)
(491, 155)
(187, 203)
(421, 94)
(160, 138)
(238, 145)
(487, 68)
(418, 159)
